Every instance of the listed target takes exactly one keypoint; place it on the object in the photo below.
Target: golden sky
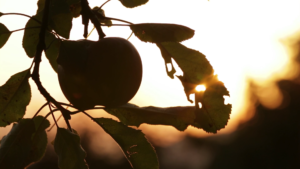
(241, 39)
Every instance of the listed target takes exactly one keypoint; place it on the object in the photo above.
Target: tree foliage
(47, 31)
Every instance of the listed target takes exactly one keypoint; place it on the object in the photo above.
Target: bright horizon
(240, 39)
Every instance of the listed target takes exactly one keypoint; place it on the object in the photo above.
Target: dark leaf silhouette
(214, 113)
(52, 50)
(195, 66)
(133, 3)
(61, 15)
(31, 36)
(100, 14)
(4, 35)
(135, 146)
(24, 144)
(75, 9)
(15, 95)
(168, 60)
(158, 32)
(69, 151)
(179, 117)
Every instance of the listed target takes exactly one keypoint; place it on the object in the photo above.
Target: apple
(107, 72)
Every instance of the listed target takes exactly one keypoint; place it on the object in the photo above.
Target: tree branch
(37, 59)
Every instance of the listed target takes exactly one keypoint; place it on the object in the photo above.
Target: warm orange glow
(241, 39)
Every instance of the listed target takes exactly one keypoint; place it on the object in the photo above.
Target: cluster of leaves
(27, 140)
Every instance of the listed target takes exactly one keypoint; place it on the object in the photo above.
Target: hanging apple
(107, 72)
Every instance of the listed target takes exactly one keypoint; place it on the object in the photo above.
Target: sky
(242, 40)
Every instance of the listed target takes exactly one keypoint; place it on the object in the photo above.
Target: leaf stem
(24, 29)
(116, 25)
(37, 59)
(104, 4)
(23, 15)
(78, 111)
(118, 20)
(51, 112)
(54, 124)
(87, 115)
(130, 35)
(52, 115)
(40, 109)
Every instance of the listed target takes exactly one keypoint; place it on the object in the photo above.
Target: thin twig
(87, 115)
(65, 104)
(40, 109)
(48, 114)
(130, 35)
(104, 4)
(96, 108)
(90, 32)
(53, 115)
(24, 29)
(35, 75)
(23, 15)
(54, 124)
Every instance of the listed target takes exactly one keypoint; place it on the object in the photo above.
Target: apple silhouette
(107, 72)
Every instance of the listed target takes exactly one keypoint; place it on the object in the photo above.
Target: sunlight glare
(200, 88)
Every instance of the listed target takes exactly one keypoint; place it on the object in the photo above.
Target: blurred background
(253, 46)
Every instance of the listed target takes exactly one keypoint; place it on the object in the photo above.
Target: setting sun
(200, 88)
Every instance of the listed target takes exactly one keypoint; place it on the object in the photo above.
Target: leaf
(40, 137)
(178, 117)
(31, 40)
(167, 57)
(75, 9)
(24, 144)
(139, 152)
(196, 68)
(15, 95)
(52, 50)
(214, 114)
(158, 32)
(69, 151)
(62, 24)
(189, 88)
(4, 35)
(61, 15)
(31, 36)
(100, 14)
(133, 3)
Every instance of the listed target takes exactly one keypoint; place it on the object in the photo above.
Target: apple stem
(37, 59)
(87, 15)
